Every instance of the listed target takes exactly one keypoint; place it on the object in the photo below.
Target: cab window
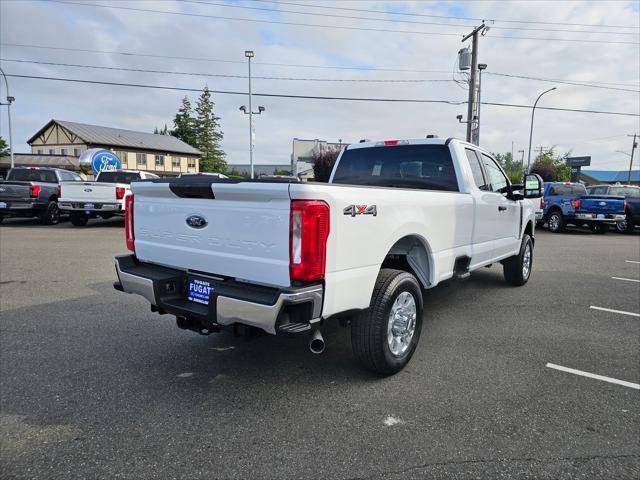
(497, 179)
(476, 169)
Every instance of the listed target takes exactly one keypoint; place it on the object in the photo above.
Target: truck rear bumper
(21, 208)
(95, 208)
(606, 217)
(230, 302)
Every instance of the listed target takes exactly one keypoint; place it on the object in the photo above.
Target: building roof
(118, 137)
(37, 160)
(613, 175)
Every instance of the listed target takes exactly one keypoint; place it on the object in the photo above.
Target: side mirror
(533, 186)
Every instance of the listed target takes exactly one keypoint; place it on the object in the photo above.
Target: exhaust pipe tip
(316, 344)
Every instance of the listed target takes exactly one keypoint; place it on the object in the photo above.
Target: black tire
(600, 228)
(78, 219)
(626, 226)
(51, 214)
(369, 330)
(513, 267)
(556, 222)
(539, 224)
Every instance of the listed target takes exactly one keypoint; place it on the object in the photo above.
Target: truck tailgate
(242, 231)
(94, 192)
(11, 190)
(601, 204)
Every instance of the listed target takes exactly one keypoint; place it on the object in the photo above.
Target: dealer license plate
(600, 215)
(3, 205)
(89, 206)
(199, 291)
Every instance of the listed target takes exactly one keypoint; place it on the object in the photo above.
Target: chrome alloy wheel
(554, 222)
(402, 324)
(526, 261)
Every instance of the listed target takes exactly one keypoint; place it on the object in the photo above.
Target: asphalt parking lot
(94, 385)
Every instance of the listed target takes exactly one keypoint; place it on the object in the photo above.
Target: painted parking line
(594, 376)
(632, 261)
(626, 279)
(622, 312)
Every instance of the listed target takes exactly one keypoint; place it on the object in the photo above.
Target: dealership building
(163, 155)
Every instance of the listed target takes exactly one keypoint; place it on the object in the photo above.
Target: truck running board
(461, 268)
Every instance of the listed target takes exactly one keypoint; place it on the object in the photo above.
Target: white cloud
(73, 26)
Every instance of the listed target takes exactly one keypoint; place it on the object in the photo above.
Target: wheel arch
(412, 254)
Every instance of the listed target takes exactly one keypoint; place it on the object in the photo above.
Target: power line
(568, 82)
(316, 14)
(474, 19)
(221, 75)
(339, 27)
(317, 97)
(294, 65)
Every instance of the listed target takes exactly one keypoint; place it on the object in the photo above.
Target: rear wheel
(385, 336)
(51, 214)
(78, 219)
(599, 228)
(626, 225)
(517, 269)
(556, 222)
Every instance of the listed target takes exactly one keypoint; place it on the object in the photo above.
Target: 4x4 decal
(354, 210)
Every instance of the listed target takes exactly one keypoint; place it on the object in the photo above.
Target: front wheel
(385, 336)
(78, 219)
(556, 222)
(51, 214)
(517, 269)
(600, 228)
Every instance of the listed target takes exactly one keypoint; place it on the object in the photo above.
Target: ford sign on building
(98, 160)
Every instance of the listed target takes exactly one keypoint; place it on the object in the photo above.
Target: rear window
(573, 189)
(118, 177)
(35, 175)
(405, 166)
(625, 192)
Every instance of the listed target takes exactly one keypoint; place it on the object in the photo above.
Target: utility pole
(472, 80)
(10, 100)
(633, 149)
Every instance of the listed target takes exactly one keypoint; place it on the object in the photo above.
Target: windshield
(32, 175)
(118, 177)
(409, 166)
(625, 192)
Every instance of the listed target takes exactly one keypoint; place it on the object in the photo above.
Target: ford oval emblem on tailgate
(603, 204)
(196, 221)
(88, 190)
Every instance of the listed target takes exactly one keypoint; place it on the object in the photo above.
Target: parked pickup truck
(568, 203)
(104, 198)
(397, 217)
(34, 192)
(631, 193)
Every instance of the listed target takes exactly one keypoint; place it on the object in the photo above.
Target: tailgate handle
(502, 209)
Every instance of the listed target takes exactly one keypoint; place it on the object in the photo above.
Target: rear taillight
(119, 193)
(576, 204)
(308, 232)
(128, 223)
(541, 203)
(624, 205)
(34, 191)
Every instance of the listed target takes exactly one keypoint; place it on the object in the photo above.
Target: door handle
(502, 209)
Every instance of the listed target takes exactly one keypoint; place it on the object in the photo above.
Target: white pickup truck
(105, 197)
(397, 216)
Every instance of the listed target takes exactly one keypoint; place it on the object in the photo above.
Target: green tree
(184, 124)
(552, 167)
(209, 135)
(323, 163)
(4, 148)
(162, 131)
(512, 168)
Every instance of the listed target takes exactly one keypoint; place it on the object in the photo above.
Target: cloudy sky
(412, 46)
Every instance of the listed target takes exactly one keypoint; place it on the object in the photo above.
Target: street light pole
(10, 100)
(481, 67)
(249, 55)
(533, 111)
